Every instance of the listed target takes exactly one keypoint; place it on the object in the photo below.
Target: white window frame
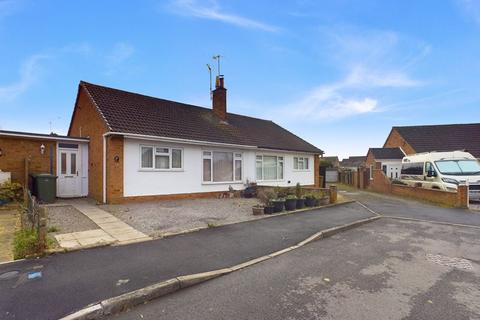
(278, 160)
(154, 152)
(235, 156)
(303, 161)
(371, 172)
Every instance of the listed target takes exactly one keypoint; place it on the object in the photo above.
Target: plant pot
(310, 202)
(300, 203)
(268, 209)
(290, 204)
(257, 211)
(3, 201)
(317, 202)
(278, 205)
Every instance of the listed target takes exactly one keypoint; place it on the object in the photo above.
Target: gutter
(44, 137)
(200, 142)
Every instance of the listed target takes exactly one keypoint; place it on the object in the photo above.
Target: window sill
(281, 180)
(160, 170)
(221, 182)
(300, 170)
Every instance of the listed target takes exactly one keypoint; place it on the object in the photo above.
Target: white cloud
(213, 12)
(28, 76)
(341, 99)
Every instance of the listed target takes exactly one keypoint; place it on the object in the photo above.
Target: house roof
(42, 136)
(133, 113)
(387, 153)
(448, 137)
(353, 161)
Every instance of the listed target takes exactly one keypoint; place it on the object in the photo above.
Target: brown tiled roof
(353, 161)
(387, 153)
(443, 137)
(133, 113)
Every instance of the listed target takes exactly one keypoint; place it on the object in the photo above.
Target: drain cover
(8, 275)
(450, 262)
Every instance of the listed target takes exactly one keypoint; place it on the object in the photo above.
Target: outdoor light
(42, 149)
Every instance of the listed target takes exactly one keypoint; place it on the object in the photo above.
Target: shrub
(298, 191)
(291, 196)
(11, 191)
(310, 196)
(25, 243)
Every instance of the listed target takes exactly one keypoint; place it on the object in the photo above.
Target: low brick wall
(331, 193)
(382, 184)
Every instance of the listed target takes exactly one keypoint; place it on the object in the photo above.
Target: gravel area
(157, 218)
(67, 219)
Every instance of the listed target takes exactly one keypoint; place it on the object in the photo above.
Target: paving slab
(114, 227)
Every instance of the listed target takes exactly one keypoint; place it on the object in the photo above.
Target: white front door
(69, 178)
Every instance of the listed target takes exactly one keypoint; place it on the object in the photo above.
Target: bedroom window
(300, 163)
(269, 167)
(220, 166)
(160, 158)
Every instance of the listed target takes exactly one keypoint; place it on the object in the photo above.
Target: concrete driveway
(401, 207)
(388, 269)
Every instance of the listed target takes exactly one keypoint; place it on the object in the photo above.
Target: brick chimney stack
(220, 98)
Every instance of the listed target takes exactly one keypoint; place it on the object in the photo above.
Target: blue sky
(338, 73)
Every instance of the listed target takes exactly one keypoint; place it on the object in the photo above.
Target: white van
(442, 171)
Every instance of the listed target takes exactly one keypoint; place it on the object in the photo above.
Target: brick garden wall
(382, 184)
(16, 150)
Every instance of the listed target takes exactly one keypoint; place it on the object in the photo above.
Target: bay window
(160, 158)
(300, 163)
(269, 167)
(222, 166)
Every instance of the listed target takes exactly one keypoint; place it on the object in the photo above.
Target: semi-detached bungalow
(144, 148)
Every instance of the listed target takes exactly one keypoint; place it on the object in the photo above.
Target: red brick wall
(15, 150)
(316, 170)
(114, 169)
(87, 122)
(382, 184)
(394, 139)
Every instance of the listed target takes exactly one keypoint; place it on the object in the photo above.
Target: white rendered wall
(141, 182)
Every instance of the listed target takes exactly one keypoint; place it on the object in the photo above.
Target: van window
(429, 167)
(415, 168)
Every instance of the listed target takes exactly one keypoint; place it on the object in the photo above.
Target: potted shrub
(269, 208)
(310, 200)
(301, 202)
(258, 209)
(291, 202)
(278, 204)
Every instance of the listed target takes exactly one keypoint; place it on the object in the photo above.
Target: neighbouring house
(353, 163)
(427, 138)
(143, 148)
(390, 160)
(46, 153)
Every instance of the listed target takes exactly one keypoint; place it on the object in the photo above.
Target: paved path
(112, 229)
(8, 222)
(387, 269)
(73, 280)
(400, 207)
